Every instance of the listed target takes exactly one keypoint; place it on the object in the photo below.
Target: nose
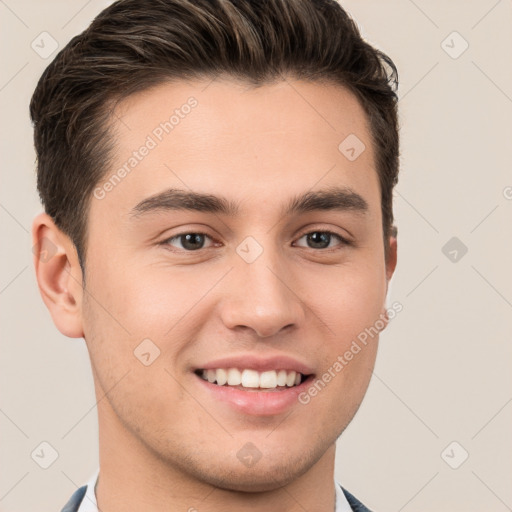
(261, 296)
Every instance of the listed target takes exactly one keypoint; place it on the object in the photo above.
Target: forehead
(230, 137)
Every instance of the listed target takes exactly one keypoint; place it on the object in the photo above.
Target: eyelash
(343, 241)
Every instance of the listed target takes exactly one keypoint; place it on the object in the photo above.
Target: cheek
(167, 307)
(351, 305)
(161, 302)
(144, 302)
(348, 301)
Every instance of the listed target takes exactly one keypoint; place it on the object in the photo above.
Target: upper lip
(261, 364)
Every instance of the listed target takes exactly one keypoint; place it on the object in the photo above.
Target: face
(242, 243)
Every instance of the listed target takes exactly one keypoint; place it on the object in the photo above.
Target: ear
(391, 259)
(391, 256)
(59, 275)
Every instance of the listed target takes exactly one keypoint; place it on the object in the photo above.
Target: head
(266, 131)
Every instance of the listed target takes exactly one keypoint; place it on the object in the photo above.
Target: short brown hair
(135, 44)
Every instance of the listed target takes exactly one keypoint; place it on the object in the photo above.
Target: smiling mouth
(252, 380)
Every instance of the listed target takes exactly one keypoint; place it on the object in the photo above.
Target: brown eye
(321, 239)
(188, 241)
(318, 239)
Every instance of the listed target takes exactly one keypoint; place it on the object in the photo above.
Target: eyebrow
(332, 198)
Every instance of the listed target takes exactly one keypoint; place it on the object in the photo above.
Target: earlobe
(58, 274)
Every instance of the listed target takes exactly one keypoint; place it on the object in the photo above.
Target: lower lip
(257, 403)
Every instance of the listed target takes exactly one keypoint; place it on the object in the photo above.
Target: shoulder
(74, 502)
(354, 503)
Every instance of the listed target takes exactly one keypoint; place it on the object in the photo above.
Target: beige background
(444, 364)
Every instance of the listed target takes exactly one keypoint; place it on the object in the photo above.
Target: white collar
(342, 505)
(89, 503)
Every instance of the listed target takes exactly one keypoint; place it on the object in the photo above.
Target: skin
(164, 444)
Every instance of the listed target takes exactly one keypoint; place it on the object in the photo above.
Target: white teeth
(222, 377)
(250, 379)
(247, 378)
(290, 379)
(268, 379)
(234, 377)
(281, 378)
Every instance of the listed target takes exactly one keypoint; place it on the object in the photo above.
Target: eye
(188, 241)
(322, 239)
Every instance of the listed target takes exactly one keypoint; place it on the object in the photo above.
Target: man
(217, 180)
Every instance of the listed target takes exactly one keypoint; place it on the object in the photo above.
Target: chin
(251, 480)
(271, 472)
